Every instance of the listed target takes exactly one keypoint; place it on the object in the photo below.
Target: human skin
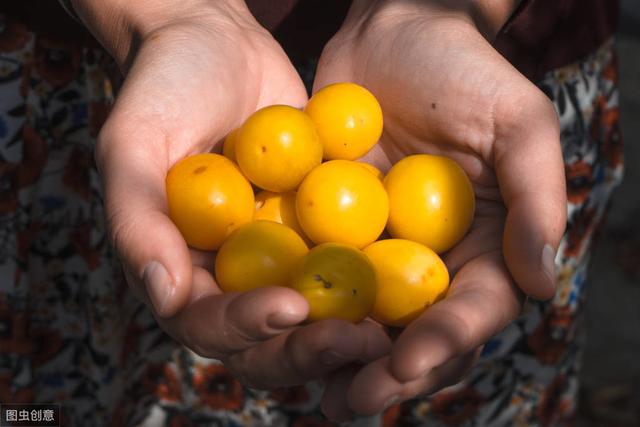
(194, 70)
(445, 90)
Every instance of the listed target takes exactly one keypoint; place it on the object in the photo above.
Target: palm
(202, 85)
(435, 101)
(185, 90)
(444, 90)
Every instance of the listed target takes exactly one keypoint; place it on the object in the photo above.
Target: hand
(445, 90)
(194, 71)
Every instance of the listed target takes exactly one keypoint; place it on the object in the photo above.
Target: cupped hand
(445, 90)
(194, 71)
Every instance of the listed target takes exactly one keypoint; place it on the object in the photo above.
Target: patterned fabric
(71, 333)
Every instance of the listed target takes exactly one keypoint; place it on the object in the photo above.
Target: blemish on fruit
(433, 105)
(310, 203)
(327, 284)
(199, 170)
(264, 149)
(354, 292)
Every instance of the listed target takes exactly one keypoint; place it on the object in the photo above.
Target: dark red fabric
(547, 34)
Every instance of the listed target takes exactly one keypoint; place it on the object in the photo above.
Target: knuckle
(120, 229)
(462, 335)
(232, 335)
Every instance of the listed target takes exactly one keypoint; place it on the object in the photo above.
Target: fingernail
(283, 320)
(548, 262)
(391, 401)
(330, 357)
(158, 284)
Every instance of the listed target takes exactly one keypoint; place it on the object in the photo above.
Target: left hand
(194, 70)
(445, 90)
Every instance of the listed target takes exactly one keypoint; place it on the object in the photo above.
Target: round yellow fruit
(341, 201)
(260, 253)
(229, 145)
(431, 201)
(208, 198)
(348, 118)
(277, 147)
(411, 277)
(338, 281)
(278, 207)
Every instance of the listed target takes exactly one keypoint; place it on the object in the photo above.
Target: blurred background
(611, 374)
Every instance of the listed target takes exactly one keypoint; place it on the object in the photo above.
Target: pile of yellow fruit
(315, 218)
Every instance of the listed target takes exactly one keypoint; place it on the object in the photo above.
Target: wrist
(122, 25)
(487, 16)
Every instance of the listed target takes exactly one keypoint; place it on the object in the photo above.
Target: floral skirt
(71, 333)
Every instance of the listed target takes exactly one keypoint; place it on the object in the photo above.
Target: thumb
(150, 247)
(530, 171)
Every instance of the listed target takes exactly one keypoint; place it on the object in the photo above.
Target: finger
(150, 246)
(217, 325)
(530, 171)
(203, 259)
(334, 403)
(334, 399)
(482, 300)
(378, 342)
(304, 354)
(202, 284)
(375, 388)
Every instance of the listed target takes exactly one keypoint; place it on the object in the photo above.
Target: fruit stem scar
(327, 284)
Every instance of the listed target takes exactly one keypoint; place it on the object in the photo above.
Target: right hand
(445, 90)
(195, 71)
